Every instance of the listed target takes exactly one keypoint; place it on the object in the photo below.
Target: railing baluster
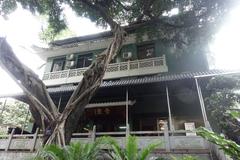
(127, 130)
(164, 59)
(10, 140)
(114, 67)
(93, 133)
(34, 140)
(68, 74)
(166, 138)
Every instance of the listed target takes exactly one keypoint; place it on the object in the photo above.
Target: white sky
(22, 30)
(226, 46)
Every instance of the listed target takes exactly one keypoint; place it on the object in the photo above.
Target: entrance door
(107, 119)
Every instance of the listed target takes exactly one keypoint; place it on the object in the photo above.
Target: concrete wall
(16, 155)
(200, 156)
(169, 145)
(26, 155)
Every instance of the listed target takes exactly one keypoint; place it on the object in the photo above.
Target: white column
(126, 107)
(204, 114)
(169, 110)
(166, 138)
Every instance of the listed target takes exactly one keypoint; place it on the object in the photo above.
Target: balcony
(114, 70)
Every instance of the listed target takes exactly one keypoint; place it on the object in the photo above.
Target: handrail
(146, 132)
(81, 134)
(113, 67)
(183, 131)
(110, 133)
(23, 135)
(103, 133)
(32, 141)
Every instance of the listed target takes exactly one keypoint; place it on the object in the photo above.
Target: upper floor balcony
(115, 70)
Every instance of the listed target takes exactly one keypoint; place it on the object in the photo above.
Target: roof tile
(147, 79)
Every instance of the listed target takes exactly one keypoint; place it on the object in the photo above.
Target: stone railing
(215, 150)
(114, 70)
(170, 140)
(173, 142)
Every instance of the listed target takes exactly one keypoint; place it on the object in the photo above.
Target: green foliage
(14, 114)
(7, 7)
(192, 14)
(229, 147)
(48, 35)
(188, 158)
(235, 114)
(223, 103)
(92, 151)
(185, 158)
(75, 151)
(131, 151)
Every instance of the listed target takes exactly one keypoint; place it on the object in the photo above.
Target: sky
(22, 31)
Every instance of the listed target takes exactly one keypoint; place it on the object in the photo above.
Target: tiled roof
(140, 80)
(148, 79)
(129, 29)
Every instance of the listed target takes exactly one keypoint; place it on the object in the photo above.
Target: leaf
(229, 147)
(147, 150)
(52, 152)
(235, 114)
(117, 153)
(131, 148)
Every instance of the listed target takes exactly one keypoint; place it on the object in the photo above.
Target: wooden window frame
(142, 47)
(63, 60)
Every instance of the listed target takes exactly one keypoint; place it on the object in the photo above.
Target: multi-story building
(149, 90)
(158, 83)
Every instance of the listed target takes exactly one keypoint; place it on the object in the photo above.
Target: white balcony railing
(114, 70)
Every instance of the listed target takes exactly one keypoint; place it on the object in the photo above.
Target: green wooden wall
(192, 60)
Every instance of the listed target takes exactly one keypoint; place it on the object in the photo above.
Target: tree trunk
(58, 127)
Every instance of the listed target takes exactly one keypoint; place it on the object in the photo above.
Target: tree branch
(29, 82)
(90, 82)
(101, 11)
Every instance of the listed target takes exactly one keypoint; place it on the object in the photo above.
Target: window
(84, 60)
(58, 64)
(146, 51)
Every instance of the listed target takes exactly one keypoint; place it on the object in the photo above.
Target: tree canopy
(222, 100)
(194, 21)
(14, 113)
(195, 13)
(194, 18)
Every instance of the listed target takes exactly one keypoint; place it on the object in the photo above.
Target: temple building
(149, 90)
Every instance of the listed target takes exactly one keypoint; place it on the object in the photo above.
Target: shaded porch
(144, 107)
